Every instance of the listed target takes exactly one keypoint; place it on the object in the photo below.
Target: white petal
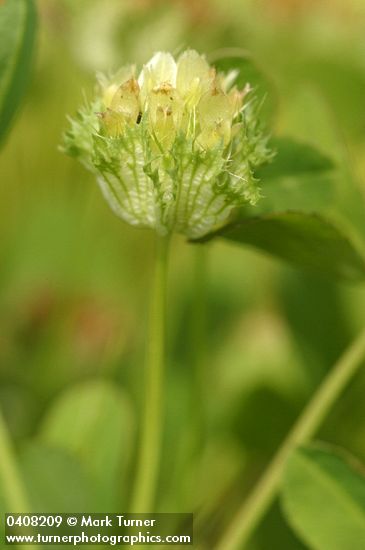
(194, 75)
(159, 70)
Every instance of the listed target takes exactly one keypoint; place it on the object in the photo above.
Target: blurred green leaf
(294, 158)
(309, 193)
(300, 177)
(320, 339)
(17, 34)
(93, 422)
(307, 116)
(55, 480)
(309, 241)
(228, 59)
(323, 497)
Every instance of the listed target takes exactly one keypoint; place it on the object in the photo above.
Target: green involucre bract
(174, 148)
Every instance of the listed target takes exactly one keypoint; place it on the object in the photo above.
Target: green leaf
(17, 34)
(294, 158)
(229, 59)
(93, 422)
(299, 176)
(315, 193)
(55, 480)
(309, 241)
(323, 497)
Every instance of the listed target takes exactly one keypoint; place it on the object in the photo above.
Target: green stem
(151, 435)
(11, 483)
(198, 325)
(12, 486)
(252, 511)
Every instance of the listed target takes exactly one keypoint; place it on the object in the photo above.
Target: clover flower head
(174, 147)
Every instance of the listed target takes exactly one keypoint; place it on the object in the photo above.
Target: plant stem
(198, 337)
(12, 486)
(252, 511)
(151, 434)
(11, 483)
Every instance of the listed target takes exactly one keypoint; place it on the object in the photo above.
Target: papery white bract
(174, 147)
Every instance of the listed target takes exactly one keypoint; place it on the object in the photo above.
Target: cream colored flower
(175, 147)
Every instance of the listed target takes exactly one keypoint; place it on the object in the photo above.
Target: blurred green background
(74, 279)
